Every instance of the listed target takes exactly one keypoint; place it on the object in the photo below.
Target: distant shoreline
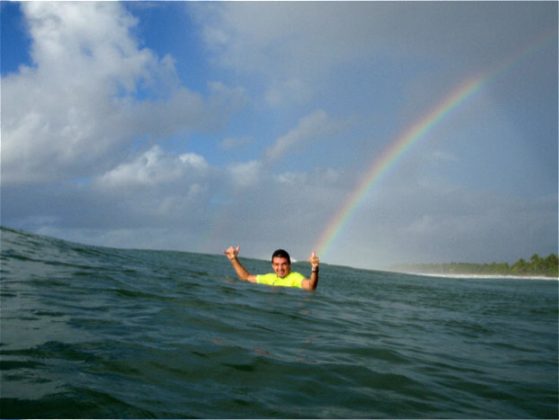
(479, 276)
(542, 268)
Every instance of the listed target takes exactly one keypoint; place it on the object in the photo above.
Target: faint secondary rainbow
(401, 144)
(390, 155)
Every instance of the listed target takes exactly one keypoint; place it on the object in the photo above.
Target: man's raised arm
(312, 283)
(232, 255)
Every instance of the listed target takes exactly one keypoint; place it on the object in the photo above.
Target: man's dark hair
(282, 254)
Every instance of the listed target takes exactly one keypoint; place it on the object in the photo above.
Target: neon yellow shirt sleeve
(293, 279)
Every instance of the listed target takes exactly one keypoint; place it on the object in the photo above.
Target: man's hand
(231, 253)
(314, 260)
(312, 282)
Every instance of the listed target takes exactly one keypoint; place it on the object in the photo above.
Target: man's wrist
(314, 269)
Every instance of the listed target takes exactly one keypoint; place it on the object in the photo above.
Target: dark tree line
(535, 266)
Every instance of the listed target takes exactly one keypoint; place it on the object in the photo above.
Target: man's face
(281, 266)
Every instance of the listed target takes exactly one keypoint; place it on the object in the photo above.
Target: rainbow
(410, 136)
(390, 155)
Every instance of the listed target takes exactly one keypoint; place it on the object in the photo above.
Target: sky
(307, 126)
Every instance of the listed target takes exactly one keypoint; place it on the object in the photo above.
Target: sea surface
(90, 332)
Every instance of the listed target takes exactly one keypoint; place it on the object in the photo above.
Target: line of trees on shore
(535, 266)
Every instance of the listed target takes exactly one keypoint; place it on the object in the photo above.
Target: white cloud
(309, 128)
(292, 178)
(91, 93)
(71, 38)
(152, 168)
(246, 174)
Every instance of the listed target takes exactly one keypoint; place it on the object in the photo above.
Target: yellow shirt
(293, 279)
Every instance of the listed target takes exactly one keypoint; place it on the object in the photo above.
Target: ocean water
(90, 332)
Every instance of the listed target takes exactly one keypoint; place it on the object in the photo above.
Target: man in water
(282, 275)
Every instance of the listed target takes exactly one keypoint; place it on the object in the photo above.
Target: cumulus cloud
(152, 168)
(75, 111)
(308, 128)
(251, 173)
(159, 189)
(246, 174)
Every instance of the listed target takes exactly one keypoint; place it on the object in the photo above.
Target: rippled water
(95, 332)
